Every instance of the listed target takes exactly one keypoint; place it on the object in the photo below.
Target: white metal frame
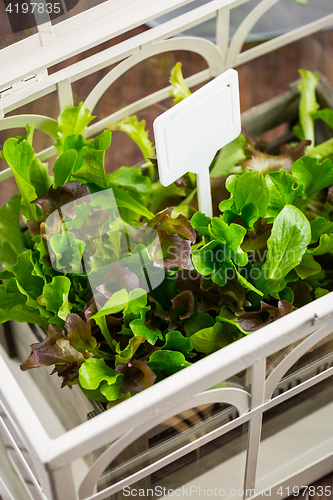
(27, 62)
(53, 458)
(26, 79)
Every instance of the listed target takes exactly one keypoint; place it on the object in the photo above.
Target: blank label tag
(189, 135)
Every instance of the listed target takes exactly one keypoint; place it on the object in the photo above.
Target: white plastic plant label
(189, 135)
(87, 237)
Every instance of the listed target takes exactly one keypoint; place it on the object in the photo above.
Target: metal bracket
(28, 80)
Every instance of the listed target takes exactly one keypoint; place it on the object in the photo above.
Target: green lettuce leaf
(175, 341)
(312, 176)
(72, 121)
(249, 198)
(179, 88)
(125, 355)
(217, 257)
(325, 114)
(132, 179)
(14, 307)
(308, 267)
(325, 245)
(10, 230)
(308, 103)
(282, 191)
(206, 340)
(96, 374)
(63, 167)
(19, 155)
(228, 157)
(55, 298)
(290, 236)
(92, 168)
(167, 362)
(136, 130)
(197, 322)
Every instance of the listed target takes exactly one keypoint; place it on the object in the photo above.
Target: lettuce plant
(267, 250)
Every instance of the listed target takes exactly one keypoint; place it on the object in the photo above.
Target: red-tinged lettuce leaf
(172, 225)
(255, 242)
(68, 372)
(265, 163)
(173, 251)
(118, 278)
(302, 292)
(154, 313)
(180, 182)
(55, 199)
(207, 293)
(89, 226)
(90, 309)
(137, 376)
(55, 348)
(182, 308)
(79, 334)
(330, 195)
(254, 320)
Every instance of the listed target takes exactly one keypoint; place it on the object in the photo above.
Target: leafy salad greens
(267, 250)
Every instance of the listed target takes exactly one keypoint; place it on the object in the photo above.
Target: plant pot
(173, 433)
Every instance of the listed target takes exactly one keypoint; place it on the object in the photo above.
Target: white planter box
(268, 435)
(293, 446)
